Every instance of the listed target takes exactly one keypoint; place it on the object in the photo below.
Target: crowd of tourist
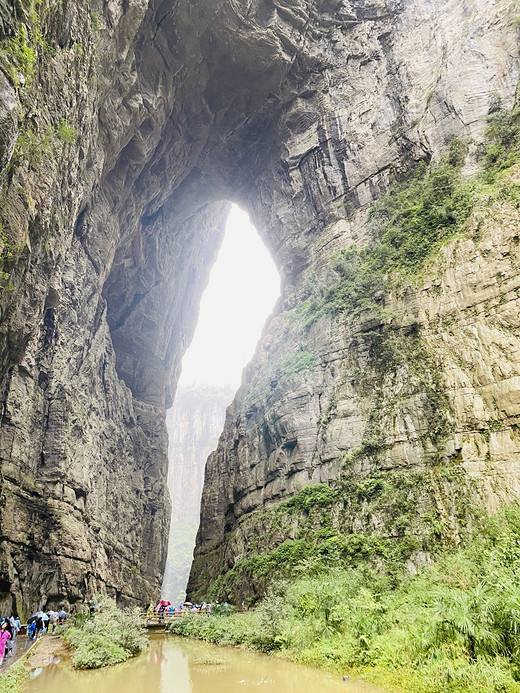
(166, 608)
(38, 624)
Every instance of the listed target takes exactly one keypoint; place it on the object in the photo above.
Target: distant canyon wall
(194, 425)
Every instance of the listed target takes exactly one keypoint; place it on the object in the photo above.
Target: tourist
(5, 635)
(15, 625)
(39, 626)
(53, 619)
(12, 632)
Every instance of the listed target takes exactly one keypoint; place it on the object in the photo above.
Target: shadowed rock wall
(123, 127)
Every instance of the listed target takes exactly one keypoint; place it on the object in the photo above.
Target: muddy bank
(46, 651)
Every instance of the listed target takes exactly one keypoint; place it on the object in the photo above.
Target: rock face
(132, 124)
(194, 425)
(413, 418)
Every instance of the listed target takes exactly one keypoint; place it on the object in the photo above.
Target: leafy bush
(502, 145)
(65, 132)
(108, 636)
(94, 650)
(313, 496)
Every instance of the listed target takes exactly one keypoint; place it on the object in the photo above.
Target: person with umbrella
(40, 619)
(53, 619)
(161, 608)
(39, 626)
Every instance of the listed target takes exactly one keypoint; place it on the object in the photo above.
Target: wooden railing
(155, 620)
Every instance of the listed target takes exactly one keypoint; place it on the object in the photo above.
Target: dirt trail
(46, 651)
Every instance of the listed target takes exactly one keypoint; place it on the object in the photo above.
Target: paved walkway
(22, 645)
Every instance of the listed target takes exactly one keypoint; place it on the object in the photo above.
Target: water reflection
(174, 667)
(172, 664)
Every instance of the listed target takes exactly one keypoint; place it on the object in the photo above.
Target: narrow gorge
(371, 143)
(194, 425)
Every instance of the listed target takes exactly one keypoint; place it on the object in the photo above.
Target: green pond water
(173, 665)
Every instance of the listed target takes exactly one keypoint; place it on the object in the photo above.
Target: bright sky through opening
(242, 290)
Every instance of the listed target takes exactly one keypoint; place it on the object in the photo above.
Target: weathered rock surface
(423, 413)
(137, 121)
(346, 415)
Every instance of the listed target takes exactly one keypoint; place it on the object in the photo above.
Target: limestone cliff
(402, 398)
(124, 128)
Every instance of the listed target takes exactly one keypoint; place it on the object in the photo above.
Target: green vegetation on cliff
(19, 52)
(323, 527)
(411, 222)
(452, 627)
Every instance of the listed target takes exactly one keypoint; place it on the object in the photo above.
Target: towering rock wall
(403, 400)
(124, 127)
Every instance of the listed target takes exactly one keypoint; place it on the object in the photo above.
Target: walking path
(22, 645)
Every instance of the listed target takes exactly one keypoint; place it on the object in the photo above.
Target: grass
(107, 637)
(451, 628)
(15, 678)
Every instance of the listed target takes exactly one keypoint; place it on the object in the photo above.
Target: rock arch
(302, 111)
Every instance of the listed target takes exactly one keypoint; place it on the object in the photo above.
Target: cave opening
(243, 288)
